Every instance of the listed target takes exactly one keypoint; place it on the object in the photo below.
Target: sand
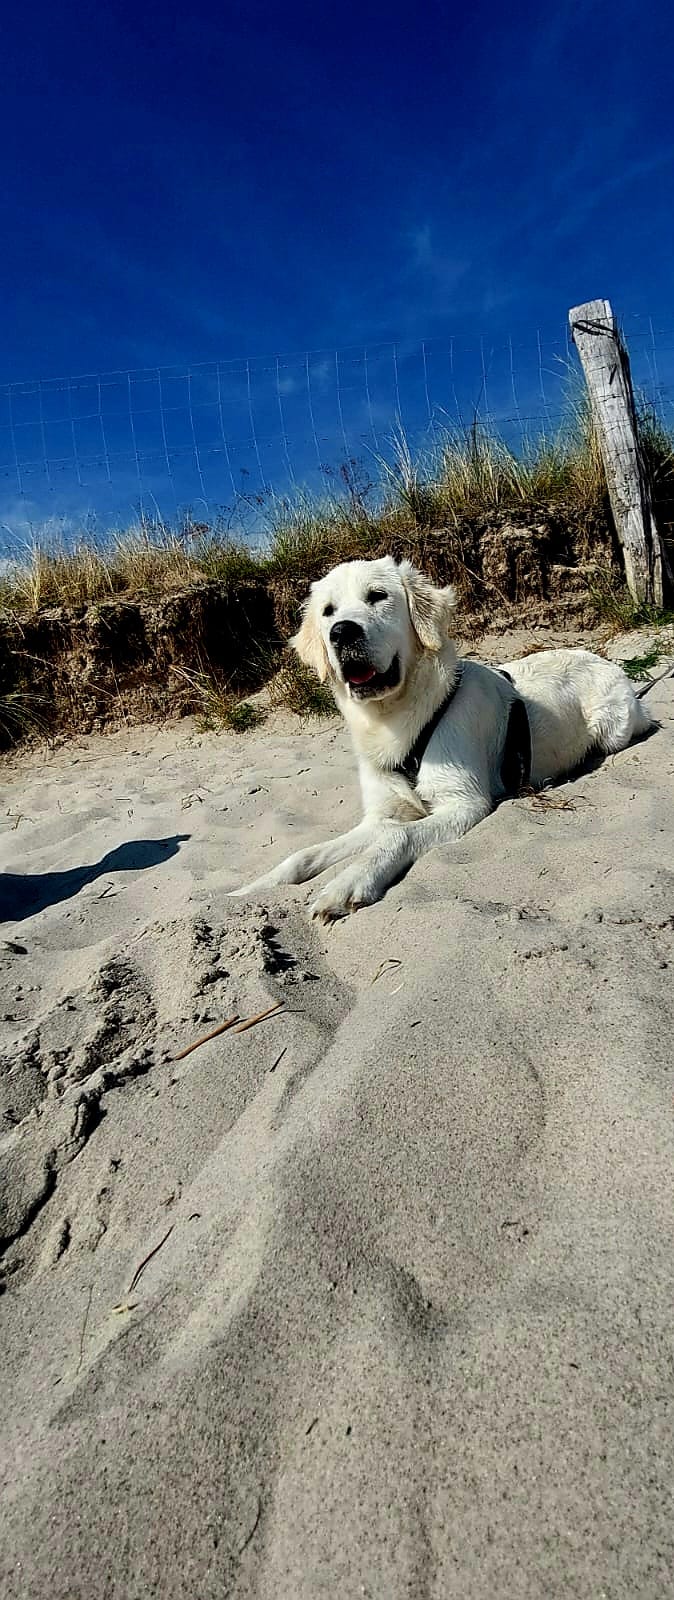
(407, 1328)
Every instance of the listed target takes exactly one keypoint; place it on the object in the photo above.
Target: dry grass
(41, 577)
(474, 472)
(291, 686)
(548, 800)
(147, 561)
(465, 476)
(22, 716)
(444, 510)
(616, 607)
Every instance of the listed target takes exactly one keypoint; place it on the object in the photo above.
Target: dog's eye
(328, 611)
(373, 596)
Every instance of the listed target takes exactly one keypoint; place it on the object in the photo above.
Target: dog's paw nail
(320, 913)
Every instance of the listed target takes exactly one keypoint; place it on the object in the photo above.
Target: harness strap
(410, 764)
(516, 754)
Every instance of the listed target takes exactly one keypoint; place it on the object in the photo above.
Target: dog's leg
(368, 878)
(305, 864)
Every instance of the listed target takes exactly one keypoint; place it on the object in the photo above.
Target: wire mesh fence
(164, 441)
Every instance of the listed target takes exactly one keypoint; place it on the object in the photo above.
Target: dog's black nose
(342, 633)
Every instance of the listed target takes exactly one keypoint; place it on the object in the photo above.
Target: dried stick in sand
(251, 1021)
(142, 1265)
(221, 1028)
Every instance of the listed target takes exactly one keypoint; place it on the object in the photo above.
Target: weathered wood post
(606, 365)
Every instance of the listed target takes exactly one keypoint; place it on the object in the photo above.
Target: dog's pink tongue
(362, 677)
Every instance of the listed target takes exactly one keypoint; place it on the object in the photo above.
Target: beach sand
(407, 1328)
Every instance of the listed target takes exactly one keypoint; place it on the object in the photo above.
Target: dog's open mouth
(364, 680)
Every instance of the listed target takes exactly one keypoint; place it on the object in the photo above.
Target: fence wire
(161, 441)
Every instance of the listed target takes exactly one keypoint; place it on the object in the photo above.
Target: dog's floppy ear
(308, 642)
(431, 609)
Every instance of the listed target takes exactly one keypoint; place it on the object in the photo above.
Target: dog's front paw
(352, 889)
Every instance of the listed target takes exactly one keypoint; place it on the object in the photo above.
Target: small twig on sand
(545, 800)
(254, 1528)
(279, 1059)
(221, 1028)
(84, 1328)
(251, 1021)
(385, 966)
(141, 1268)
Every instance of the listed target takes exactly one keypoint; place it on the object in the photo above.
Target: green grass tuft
(298, 689)
(614, 605)
(242, 716)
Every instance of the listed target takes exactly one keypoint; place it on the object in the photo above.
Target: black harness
(410, 764)
(515, 756)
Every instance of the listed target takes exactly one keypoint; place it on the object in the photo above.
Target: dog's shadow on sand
(23, 894)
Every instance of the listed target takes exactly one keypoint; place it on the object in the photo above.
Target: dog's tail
(668, 673)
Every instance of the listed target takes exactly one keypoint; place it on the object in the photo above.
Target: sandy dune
(410, 1332)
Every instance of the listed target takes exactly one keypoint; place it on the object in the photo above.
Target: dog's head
(366, 623)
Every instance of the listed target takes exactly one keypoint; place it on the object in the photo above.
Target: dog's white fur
(576, 702)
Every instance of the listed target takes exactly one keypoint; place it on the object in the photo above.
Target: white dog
(439, 741)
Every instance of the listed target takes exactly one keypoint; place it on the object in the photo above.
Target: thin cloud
(592, 199)
(430, 260)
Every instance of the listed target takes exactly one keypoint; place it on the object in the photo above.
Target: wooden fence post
(606, 365)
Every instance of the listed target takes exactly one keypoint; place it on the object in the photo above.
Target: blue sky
(201, 185)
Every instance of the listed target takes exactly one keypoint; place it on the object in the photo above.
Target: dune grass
(464, 476)
(435, 508)
(473, 472)
(146, 561)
